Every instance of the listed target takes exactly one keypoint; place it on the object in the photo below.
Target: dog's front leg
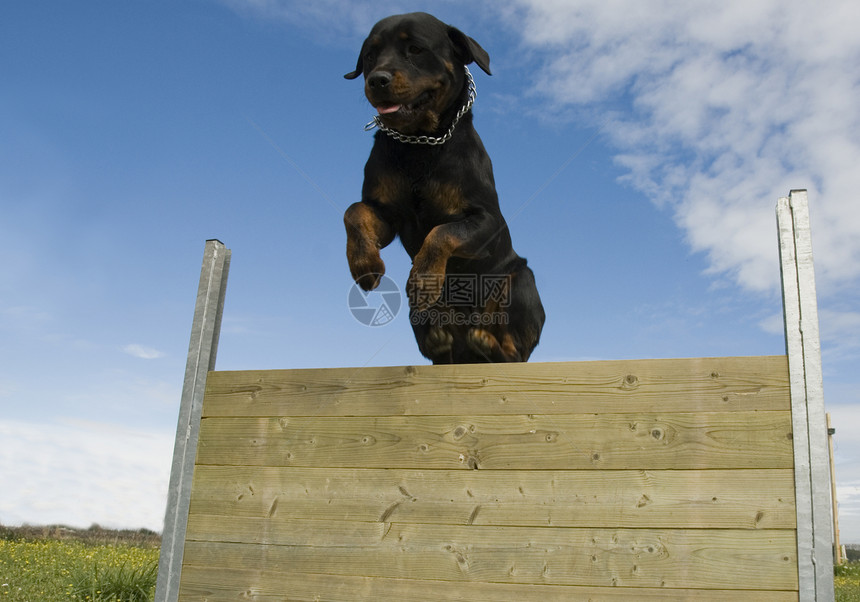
(366, 233)
(469, 238)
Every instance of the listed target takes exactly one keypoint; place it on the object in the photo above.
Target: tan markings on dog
(445, 242)
(449, 67)
(492, 307)
(430, 121)
(447, 197)
(437, 249)
(366, 227)
(444, 95)
(508, 346)
(400, 84)
(403, 35)
(389, 189)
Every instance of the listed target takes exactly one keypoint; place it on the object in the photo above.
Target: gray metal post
(205, 331)
(809, 426)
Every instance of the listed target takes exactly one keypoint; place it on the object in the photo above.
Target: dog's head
(413, 70)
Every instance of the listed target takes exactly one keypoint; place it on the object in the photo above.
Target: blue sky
(639, 150)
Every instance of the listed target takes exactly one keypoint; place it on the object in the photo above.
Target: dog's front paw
(367, 270)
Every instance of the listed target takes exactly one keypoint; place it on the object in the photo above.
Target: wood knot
(631, 381)
(470, 461)
(474, 515)
(388, 512)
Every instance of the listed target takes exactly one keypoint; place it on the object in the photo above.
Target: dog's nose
(379, 79)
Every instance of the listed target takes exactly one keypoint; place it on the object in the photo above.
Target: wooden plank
(838, 557)
(678, 385)
(229, 584)
(752, 499)
(705, 559)
(613, 441)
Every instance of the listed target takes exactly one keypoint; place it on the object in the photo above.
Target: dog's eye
(370, 58)
(413, 49)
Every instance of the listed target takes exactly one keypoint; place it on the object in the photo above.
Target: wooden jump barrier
(701, 478)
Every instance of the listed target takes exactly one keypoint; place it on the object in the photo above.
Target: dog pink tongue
(383, 109)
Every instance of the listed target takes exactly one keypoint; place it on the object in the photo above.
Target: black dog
(429, 181)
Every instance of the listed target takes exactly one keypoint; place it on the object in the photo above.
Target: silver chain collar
(431, 140)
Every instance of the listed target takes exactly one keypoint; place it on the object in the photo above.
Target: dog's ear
(469, 50)
(359, 66)
(358, 71)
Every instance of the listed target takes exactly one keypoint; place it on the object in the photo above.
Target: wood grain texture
(229, 584)
(581, 441)
(683, 385)
(748, 499)
(705, 559)
(652, 479)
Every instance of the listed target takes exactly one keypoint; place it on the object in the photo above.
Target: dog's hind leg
(526, 315)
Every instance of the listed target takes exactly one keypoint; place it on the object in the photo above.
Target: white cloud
(142, 352)
(80, 473)
(721, 108)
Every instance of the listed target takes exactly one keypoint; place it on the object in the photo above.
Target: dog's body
(439, 198)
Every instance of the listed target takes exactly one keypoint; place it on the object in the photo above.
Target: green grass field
(55, 564)
(848, 582)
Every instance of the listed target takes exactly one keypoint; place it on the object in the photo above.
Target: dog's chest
(421, 203)
(428, 198)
